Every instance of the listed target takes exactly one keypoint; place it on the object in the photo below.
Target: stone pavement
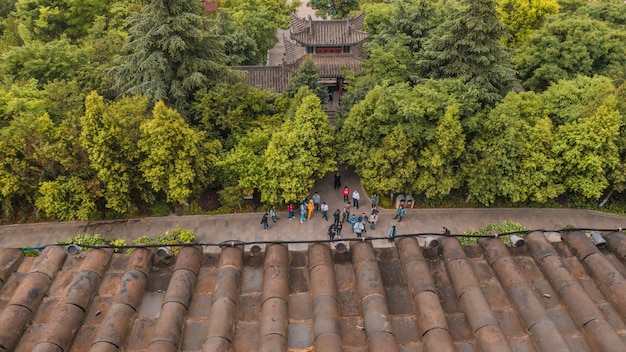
(246, 226)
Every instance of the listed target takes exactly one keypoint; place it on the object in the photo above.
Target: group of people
(358, 223)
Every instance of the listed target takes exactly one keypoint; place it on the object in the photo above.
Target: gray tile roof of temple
(328, 33)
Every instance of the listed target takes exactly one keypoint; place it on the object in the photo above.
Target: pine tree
(171, 53)
(468, 46)
(308, 76)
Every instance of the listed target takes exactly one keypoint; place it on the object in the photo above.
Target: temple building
(334, 45)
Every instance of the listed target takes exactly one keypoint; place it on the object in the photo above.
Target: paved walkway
(247, 227)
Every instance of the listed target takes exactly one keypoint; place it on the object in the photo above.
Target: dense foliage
(120, 108)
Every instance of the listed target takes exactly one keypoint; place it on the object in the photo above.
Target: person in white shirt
(324, 209)
(355, 198)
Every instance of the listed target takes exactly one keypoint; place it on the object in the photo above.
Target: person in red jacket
(346, 193)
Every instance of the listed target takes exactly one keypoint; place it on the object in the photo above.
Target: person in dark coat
(264, 222)
(337, 180)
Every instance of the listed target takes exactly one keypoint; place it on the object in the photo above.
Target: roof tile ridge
(521, 293)
(480, 316)
(10, 259)
(71, 310)
(26, 299)
(429, 313)
(116, 325)
(371, 293)
(274, 317)
(220, 331)
(608, 278)
(582, 308)
(616, 242)
(168, 330)
(324, 299)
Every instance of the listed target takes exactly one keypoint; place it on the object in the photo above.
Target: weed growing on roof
(505, 227)
(84, 240)
(29, 252)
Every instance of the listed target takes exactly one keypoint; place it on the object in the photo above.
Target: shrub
(505, 227)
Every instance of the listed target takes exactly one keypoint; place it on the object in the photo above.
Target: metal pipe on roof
(169, 327)
(324, 297)
(225, 299)
(70, 312)
(116, 325)
(582, 308)
(274, 317)
(430, 317)
(481, 318)
(605, 274)
(535, 317)
(372, 296)
(28, 295)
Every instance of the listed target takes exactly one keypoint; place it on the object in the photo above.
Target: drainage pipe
(274, 317)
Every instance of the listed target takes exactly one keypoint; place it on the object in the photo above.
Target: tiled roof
(267, 77)
(330, 65)
(543, 296)
(328, 33)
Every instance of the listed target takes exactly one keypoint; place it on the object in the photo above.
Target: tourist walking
(316, 201)
(358, 228)
(364, 219)
(332, 231)
(291, 208)
(373, 220)
(392, 233)
(339, 227)
(400, 212)
(324, 208)
(310, 208)
(302, 212)
(273, 213)
(346, 193)
(353, 220)
(355, 198)
(264, 222)
(336, 215)
(374, 200)
(346, 212)
(337, 180)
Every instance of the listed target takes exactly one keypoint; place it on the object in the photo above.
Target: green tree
(241, 49)
(467, 45)
(589, 150)
(178, 160)
(522, 17)
(391, 167)
(307, 76)
(298, 154)
(512, 157)
(68, 198)
(110, 134)
(171, 54)
(439, 170)
(566, 47)
(32, 150)
(334, 8)
(229, 110)
(45, 62)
